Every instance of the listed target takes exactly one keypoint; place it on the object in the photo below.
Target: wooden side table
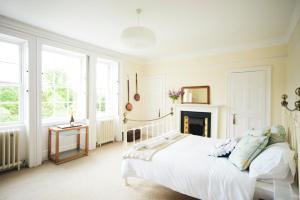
(61, 157)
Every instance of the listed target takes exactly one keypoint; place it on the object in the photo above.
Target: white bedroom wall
(293, 63)
(212, 70)
(293, 82)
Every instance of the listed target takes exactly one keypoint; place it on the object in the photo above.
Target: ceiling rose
(138, 36)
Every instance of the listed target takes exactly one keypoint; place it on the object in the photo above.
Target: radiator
(9, 149)
(105, 131)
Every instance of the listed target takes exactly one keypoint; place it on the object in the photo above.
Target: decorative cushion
(275, 162)
(278, 134)
(247, 149)
(224, 148)
(259, 132)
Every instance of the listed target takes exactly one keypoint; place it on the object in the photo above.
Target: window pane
(62, 109)
(63, 84)
(102, 75)
(9, 104)
(10, 81)
(9, 112)
(9, 73)
(61, 94)
(9, 94)
(48, 94)
(101, 104)
(106, 87)
(9, 52)
(47, 110)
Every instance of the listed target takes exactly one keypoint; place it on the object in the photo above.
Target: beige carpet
(96, 177)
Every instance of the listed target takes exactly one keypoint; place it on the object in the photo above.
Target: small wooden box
(130, 135)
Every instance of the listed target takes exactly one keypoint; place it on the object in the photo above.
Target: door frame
(268, 70)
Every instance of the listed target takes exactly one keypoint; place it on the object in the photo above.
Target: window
(106, 87)
(11, 88)
(63, 84)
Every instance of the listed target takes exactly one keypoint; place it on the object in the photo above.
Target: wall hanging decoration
(174, 95)
(284, 102)
(128, 105)
(137, 96)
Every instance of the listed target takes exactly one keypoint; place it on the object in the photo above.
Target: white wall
(293, 82)
(293, 63)
(212, 70)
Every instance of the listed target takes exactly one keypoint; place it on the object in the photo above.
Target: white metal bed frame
(154, 127)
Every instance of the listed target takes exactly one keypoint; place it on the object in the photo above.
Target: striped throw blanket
(146, 150)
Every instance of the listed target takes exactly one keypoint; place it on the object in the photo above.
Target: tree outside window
(63, 84)
(10, 81)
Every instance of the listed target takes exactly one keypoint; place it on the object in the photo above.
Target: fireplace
(196, 123)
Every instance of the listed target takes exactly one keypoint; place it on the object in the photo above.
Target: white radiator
(9, 149)
(105, 131)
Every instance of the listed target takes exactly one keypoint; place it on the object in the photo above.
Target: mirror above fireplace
(195, 95)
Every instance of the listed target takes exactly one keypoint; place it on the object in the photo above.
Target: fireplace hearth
(196, 123)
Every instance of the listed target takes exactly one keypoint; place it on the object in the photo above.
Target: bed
(186, 167)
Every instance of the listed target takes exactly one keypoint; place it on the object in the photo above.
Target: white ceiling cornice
(219, 51)
(293, 22)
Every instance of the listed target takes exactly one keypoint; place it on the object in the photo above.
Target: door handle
(233, 119)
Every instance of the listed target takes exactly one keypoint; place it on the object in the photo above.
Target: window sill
(106, 117)
(11, 125)
(52, 123)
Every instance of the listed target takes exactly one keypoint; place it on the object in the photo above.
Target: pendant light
(138, 36)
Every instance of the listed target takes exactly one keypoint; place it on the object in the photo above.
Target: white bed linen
(186, 167)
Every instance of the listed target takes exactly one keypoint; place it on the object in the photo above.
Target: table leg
(57, 147)
(78, 140)
(87, 141)
(49, 143)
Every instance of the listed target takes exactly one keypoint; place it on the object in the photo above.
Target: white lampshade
(138, 37)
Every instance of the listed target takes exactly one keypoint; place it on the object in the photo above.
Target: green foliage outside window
(57, 97)
(9, 103)
(101, 104)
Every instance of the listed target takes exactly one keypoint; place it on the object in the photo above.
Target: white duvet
(186, 168)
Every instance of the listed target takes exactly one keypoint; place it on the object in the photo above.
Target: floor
(91, 178)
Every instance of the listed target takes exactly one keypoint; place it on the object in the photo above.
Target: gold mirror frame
(195, 88)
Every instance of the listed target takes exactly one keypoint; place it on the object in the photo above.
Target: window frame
(66, 51)
(21, 83)
(110, 87)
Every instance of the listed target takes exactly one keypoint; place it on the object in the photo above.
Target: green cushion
(278, 134)
(247, 149)
(258, 132)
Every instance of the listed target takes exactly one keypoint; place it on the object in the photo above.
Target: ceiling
(182, 27)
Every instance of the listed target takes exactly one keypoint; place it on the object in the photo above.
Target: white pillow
(275, 162)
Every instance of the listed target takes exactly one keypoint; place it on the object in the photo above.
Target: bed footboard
(148, 129)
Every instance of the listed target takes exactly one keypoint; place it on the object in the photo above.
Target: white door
(249, 101)
(153, 98)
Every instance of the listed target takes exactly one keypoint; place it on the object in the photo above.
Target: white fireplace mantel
(199, 108)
